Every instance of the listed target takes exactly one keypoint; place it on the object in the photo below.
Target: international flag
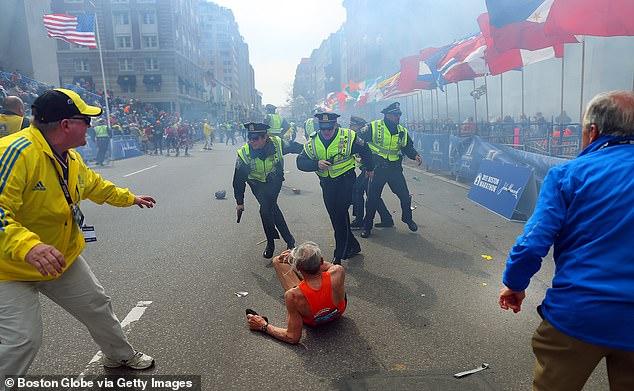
(79, 29)
(604, 18)
(428, 71)
(519, 24)
(464, 60)
(413, 71)
(502, 61)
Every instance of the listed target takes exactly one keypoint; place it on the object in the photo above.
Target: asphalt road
(422, 306)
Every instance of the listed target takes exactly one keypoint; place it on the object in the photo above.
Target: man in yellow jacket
(12, 117)
(42, 234)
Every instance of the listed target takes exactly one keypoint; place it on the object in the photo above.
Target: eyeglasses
(86, 120)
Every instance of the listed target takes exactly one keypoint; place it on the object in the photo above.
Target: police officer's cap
(394, 108)
(357, 121)
(327, 117)
(256, 128)
(270, 107)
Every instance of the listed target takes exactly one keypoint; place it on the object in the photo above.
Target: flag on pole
(464, 60)
(502, 61)
(605, 18)
(79, 29)
(519, 24)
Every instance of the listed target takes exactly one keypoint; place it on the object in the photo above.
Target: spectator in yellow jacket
(42, 234)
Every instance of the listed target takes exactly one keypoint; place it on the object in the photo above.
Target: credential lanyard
(78, 216)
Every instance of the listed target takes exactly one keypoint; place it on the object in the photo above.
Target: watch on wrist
(264, 327)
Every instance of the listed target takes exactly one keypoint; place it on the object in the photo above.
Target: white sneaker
(138, 361)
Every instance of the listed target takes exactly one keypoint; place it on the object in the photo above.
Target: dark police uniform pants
(358, 200)
(391, 174)
(270, 213)
(103, 143)
(337, 193)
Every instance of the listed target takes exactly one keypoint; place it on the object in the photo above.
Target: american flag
(79, 29)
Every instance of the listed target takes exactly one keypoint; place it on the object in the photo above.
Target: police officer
(389, 141)
(330, 153)
(360, 188)
(309, 127)
(103, 135)
(278, 126)
(260, 163)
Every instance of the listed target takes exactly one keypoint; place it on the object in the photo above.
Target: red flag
(500, 62)
(410, 69)
(519, 24)
(464, 61)
(603, 18)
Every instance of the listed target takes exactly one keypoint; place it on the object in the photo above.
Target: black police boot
(336, 261)
(385, 224)
(365, 233)
(290, 245)
(268, 251)
(356, 223)
(412, 225)
(353, 251)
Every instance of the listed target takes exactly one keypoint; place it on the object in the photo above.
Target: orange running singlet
(320, 301)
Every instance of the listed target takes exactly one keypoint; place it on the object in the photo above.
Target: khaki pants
(77, 291)
(564, 363)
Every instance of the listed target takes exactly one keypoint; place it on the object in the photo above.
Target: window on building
(128, 87)
(153, 87)
(151, 64)
(149, 41)
(148, 17)
(81, 66)
(123, 42)
(125, 64)
(224, 53)
(121, 18)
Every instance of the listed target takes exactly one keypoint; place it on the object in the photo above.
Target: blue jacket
(586, 210)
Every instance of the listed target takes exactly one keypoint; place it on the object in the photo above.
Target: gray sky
(279, 33)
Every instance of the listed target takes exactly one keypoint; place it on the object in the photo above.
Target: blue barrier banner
(499, 187)
(125, 147)
(436, 151)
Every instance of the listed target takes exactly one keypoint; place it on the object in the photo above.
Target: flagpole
(458, 95)
(501, 97)
(561, 111)
(103, 74)
(422, 108)
(486, 97)
(523, 114)
(475, 104)
(583, 66)
(446, 103)
(431, 99)
(437, 106)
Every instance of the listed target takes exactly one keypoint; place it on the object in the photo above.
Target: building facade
(150, 52)
(230, 78)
